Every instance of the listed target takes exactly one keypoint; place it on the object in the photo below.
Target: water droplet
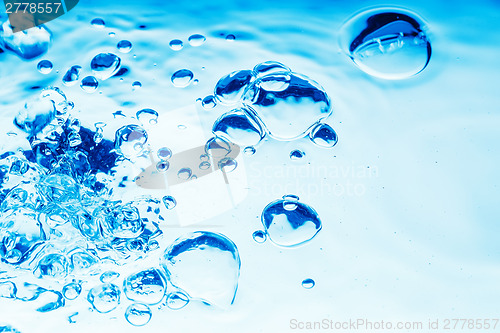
(308, 283)
(112, 34)
(196, 40)
(290, 227)
(105, 65)
(323, 135)
(136, 84)
(230, 88)
(259, 236)
(270, 67)
(72, 76)
(162, 166)
(124, 46)
(109, 276)
(138, 314)
(184, 173)
(28, 44)
(176, 44)
(130, 140)
(147, 117)
(182, 78)
(296, 154)
(44, 67)
(208, 102)
(176, 300)
(54, 266)
(227, 164)
(389, 43)
(164, 153)
(249, 151)
(98, 23)
(105, 297)
(239, 126)
(205, 266)
(230, 38)
(217, 147)
(72, 290)
(204, 165)
(89, 84)
(146, 286)
(288, 104)
(169, 202)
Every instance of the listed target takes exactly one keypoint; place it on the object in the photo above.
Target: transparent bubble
(98, 23)
(72, 76)
(204, 165)
(164, 153)
(176, 300)
(105, 65)
(169, 202)
(89, 84)
(176, 44)
(105, 297)
(123, 221)
(8, 289)
(249, 151)
(239, 126)
(146, 286)
(297, 154)
(28, 44)
(182, 78)
(54, 266)
(136, 84)
(184, 173)
(217, 147)
(44, 67)
(389, 43)
(124, 46)
(130, 140)
(208, 102)
(109, 276)
(181, 127)
(196, 40)
(227, 164)
(230, 88)
(138, 314)
(289, 222)
(259, 236)
(230, 38)
(147, 116)
(205, 266)
(308, 283)
(112, 34)
(36, 114)
(269, 67)
(162, 166)
(323, 135)
(72, 290)
(291, 96)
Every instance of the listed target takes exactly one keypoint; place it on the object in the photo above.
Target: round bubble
(124, 46)
(136, 84)
(146, 286)
(164, 153)
(231, 87)
(89, 84)
(98, 23)
(208, 102)
(259, 236)
(147, 117)
(45, 66)
(72, 290)
(323, 135)
(182, 78)
(54, 266)
(239, 126)
(204, 265)
(269, 67)
(105, 297)
(72, 76)
(308, 283)
(389, 43)
(162, 166)
(289, 222)
(138, 314)
(196, 40)
(297, 154)
(176, 44)
(176, 300)
(130, 140)
(105, 65)
(169, 202)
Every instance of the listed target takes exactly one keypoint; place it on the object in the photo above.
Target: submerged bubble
(109, 276)
(123, 221)
(105, 65)
(138, 314)
(217, 147)
(227, 165)
(146, 286)
(44, 67)
(296, 154)
(289, 222)
(184, 173)
(98, 23)
(182, 78)
(162, 166)
(259, 236)
(176, 300)
(196, 40)
(130, 140)
(204, 165)
(270, 67)
(205, 266)
(389, 43)
(249, 151)
(72, 76)
(208, 102)
(230, 88)
(54, 266)
(136, 84)
(147, 116)
(308, 283)
(72, 290)
(8, 289)
(164, 153)
(35, 115)
(89, 84)
(169, 202)
(105, 297)
(230, 38)
(176, 44)
(239, 126)
(323, 135)
(28, 44)
(124, 46)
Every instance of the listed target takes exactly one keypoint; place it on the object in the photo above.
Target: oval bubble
(239, 126)
(105, 65)
(146, 286)
(323, 135)
(231, 87)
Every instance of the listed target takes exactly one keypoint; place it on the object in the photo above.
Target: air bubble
(169, 202)
(249, 151)
(297, 154)
(230, 38)
(239, 126)
(124, 46)
(72, 290)
(204, 165)
(98, 23)
(176, 300)
(230, 88)
(147, 117)
(146, 286)
(44, 67)
(308, 283)
(196, 40)
(259, 236)
(208, 102)
(162, 166)
(138, 314)
(72, 76)
(104, 298)
(182, 78)
(109, 276)
(105, 65)
(130, 140)
(227, 164)
(184, 173)
(136, 85)
(176, 44)
(270, 67)
(89, 84)
(164, 153)
(323, 135)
